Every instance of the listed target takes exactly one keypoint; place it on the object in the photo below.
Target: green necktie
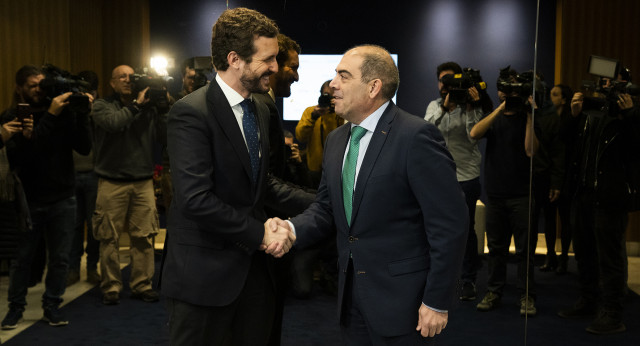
(349, 170)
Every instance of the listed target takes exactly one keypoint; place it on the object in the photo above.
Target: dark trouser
(471, 263)
(356, 330)
(599, 246)
(566, 230)
(86, 192)
(282, 282)
(541, 187)
(55, 222)
(507, 217)
(246, 321)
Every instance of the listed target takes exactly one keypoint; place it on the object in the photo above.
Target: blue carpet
(313, 322)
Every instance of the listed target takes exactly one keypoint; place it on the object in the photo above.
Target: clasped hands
(278, 237)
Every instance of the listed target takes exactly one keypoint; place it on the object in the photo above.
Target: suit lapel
(376, 144)
(262, 117)
(223, 114)
(336, 157)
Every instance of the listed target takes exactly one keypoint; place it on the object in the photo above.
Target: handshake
(278, 237)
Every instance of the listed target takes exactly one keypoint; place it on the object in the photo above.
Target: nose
(296, 76)
(334, 83)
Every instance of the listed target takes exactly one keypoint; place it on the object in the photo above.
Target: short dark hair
(91, 78)
(381, 66)
(285, 44)
(448, 66)
(235, 30)
(25, 72)
(187, 63)
(287, 134)
(325, 85)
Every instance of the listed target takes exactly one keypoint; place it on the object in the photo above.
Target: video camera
(458, 84)
(58, 81)
(601, 98)
(202, 65)
(325, 101)
(157, 93)
(522, 85)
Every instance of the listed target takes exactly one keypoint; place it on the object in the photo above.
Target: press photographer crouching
(53, 101)
(126, 126)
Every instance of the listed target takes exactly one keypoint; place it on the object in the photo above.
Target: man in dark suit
(402, 230)
(280, 86)
(219, 286)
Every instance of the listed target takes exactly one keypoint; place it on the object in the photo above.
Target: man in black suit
(280, 86)
(402, 230)
(219, 286)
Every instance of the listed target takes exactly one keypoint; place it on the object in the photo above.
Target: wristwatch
(135, 104)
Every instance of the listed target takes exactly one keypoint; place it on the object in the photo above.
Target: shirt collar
(231, 95)
(370, 122)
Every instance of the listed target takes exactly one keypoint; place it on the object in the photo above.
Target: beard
(37, 101)
(253, 83)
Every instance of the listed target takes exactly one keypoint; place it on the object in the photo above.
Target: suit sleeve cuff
(436, 310)
(293, 228)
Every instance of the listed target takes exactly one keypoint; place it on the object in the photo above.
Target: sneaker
(607, 322)
(468, 291)
(54, 317)
(93, 277)
(73, 276)
(490, 301)
(149, 296)
(528, 306)
(11, 320)
(111, 298)
(582, 308)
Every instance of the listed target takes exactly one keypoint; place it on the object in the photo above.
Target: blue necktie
(349, 170)
(251, 134)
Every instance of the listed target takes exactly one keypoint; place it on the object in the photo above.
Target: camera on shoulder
(458, 85)
(58, 81)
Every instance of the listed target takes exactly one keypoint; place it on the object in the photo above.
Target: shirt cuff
(293, 228)
(436, 310)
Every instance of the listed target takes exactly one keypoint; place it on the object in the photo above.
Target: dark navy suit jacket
(217, 214)
(409, 221)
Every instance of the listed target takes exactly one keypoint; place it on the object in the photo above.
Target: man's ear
(233, 59)
(374, 88)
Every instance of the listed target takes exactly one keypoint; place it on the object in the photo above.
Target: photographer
(455, 121)
(126, 127)
(43, 160)
(511, 141)
(603, 181)
(314, 126)
(192, 78)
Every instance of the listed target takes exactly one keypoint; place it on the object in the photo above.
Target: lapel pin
(383, 132)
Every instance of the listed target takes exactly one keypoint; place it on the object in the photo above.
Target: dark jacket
(610, 169)
(44, 163)
(217, 212)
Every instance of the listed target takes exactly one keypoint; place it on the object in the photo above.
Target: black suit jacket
(277, 159)
(409, 220)
(216, 218)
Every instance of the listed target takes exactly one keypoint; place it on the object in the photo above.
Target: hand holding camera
(58, 103)
(295, 153)
(576, 104)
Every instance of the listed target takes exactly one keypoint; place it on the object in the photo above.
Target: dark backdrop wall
(485, 35)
